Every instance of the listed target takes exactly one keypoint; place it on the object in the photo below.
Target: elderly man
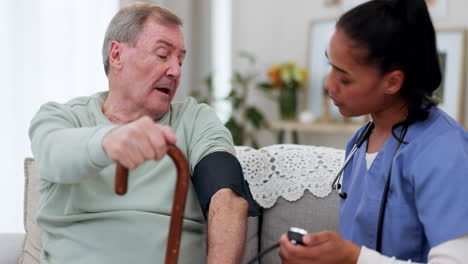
(77, 145)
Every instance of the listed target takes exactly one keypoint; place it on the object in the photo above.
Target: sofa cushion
(251, 240)
(293, 185)
(309, 212)
(32, 243)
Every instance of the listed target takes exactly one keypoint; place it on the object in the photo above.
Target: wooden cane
(178, 206)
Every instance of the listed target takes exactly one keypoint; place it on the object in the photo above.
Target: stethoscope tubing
(337, 186)
(364, 135)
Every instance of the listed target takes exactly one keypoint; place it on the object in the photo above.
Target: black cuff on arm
(220, 170)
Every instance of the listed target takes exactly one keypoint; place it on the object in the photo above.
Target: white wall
(277, 31)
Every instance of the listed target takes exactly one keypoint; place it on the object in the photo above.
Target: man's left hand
(326, 247)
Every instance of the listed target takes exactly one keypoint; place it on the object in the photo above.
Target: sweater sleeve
(208, 135)
(65, 151)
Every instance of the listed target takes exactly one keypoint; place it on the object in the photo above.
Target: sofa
(291, 184)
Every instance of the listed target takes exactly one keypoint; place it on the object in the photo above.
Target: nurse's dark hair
(398, 35)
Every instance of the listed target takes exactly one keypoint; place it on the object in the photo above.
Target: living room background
(52, 52)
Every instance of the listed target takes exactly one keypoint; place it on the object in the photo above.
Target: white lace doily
(288, 170)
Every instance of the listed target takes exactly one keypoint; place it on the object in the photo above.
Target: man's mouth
(163, 90)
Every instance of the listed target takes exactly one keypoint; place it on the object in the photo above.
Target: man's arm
(226, 202)
(64, 151)
(224, 195)
(67, 153)
(227, 225)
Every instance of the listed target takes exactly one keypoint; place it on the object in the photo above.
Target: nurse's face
(355, 88)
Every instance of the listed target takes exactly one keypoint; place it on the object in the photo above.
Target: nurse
(384, 62)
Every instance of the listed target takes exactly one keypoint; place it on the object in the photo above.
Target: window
(221, 13)
(51, 52)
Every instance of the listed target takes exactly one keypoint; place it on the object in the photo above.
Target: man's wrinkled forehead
(164, 33)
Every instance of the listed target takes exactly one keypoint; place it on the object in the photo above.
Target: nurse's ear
(394, 81)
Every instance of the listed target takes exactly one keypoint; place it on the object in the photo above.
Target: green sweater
(83, 220)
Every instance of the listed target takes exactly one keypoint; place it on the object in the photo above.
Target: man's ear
(115, 52)
(394, 81)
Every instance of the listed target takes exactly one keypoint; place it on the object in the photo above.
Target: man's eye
(162, 57)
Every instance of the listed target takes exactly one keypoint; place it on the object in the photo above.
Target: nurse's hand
(326, 247)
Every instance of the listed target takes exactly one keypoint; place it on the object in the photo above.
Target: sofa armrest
(10, 247)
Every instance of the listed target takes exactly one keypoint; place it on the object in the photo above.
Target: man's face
(151, 70)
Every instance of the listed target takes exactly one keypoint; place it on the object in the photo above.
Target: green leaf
(254, 116)
(236, 102)
(238, 78)
(265, 86)
(285, 75)
(236, 131)
(231, 94)
(296, 75)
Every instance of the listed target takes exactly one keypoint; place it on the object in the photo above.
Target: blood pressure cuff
(220, 170)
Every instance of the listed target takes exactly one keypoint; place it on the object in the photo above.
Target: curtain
(51, 51)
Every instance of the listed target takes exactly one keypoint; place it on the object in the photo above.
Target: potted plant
(246, 119)
(288, 79)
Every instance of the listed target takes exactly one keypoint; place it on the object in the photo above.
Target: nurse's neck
(384, 121)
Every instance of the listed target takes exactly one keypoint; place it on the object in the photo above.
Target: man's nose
(174, 68)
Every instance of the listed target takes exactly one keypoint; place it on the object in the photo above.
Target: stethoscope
(337, 186)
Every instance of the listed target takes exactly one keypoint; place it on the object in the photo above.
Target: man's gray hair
(127, 24)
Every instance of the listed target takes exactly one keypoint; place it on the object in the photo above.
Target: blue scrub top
(427, 200)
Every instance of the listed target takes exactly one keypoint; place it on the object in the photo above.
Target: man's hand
(326, 247)
(137, 142)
